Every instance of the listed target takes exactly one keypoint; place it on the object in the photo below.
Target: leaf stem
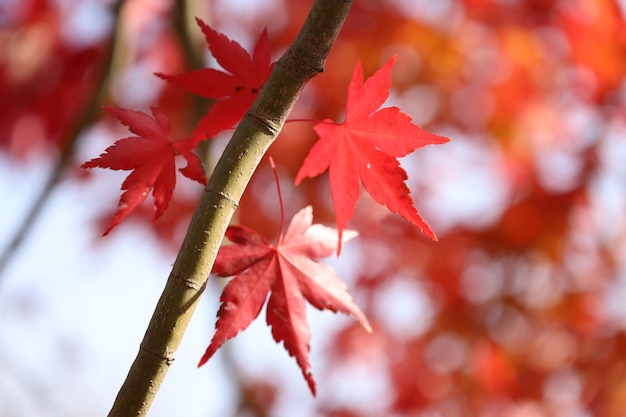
(280, 201)
(311, 121)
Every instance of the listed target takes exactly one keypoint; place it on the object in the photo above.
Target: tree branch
(256, 132)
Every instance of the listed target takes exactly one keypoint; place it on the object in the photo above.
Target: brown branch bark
(256, 132)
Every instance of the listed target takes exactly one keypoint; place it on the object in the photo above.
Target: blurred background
(518, 311)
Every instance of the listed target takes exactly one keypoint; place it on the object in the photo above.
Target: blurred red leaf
(45, 80)
(493, 369)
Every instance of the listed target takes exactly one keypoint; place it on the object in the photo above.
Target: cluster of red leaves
(521, 292)
(150, 154)
(362, 149)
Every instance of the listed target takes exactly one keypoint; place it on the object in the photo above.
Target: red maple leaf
(289, 272)
(234, 91)
(150, 155)
(364, 149)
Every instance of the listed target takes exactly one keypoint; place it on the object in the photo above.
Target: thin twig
(89, 113)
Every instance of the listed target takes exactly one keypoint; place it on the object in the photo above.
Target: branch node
(270, 128)
(224, 196)
(189, 283)
(167, 355)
